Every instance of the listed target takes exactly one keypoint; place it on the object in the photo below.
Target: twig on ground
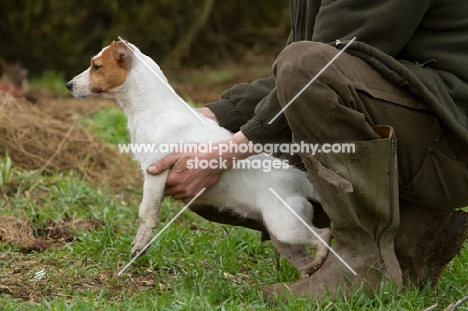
(430, 307)
(455, 305)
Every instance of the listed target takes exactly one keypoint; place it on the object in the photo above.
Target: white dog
(156, 115)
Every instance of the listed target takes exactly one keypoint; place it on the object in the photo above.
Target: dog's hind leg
(289, 234)
(321, 251)
(297, 255)
(153, 195)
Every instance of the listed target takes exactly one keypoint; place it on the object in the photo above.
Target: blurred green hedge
(62, 35)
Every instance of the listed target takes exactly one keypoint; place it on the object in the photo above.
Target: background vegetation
(63, 35)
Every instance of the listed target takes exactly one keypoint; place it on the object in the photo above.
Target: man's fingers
(164, 164)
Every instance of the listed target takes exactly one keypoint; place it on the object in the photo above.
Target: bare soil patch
(51, 234)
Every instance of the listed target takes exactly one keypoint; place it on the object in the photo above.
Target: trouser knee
(300, 62)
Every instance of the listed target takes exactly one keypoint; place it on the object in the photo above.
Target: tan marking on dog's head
(109, 68)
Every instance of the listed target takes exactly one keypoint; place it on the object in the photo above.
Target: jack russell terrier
(157, 115)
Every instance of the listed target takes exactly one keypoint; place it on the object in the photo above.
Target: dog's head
(108, 70)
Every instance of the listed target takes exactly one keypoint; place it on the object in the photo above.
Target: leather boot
(359, 192)
(427, 240)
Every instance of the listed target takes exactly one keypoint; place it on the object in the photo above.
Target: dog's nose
(69, 85)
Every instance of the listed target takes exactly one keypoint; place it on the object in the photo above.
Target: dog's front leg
(153, 195)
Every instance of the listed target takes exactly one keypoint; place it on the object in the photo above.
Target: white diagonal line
(160, 232)
(164, 82)
(311, 81)
(313, 231)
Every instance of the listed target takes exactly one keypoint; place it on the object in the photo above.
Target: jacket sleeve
(249, 107)
(237, 104)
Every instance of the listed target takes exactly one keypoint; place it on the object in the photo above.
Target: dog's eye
(96, 67)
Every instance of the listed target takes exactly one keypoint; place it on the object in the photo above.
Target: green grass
(52, 82)
(108, 124)
(194, 265)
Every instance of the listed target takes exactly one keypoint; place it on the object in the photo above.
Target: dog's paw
(139, 247)
(141, 242)
(137, 251)
(312, 268)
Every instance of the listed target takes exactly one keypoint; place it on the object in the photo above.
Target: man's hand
(205, 111)
(185, 180)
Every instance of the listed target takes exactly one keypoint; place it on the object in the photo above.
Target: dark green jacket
(399, 36)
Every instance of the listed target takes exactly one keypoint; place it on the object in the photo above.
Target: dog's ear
(121, 53)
